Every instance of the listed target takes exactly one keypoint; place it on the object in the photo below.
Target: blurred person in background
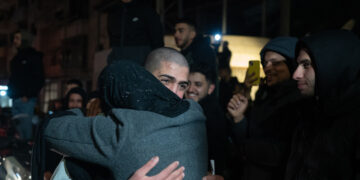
(25, 82)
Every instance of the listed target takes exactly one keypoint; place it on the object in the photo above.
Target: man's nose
(191, 88)
(268, 65)
(173, 88)
(298, 74)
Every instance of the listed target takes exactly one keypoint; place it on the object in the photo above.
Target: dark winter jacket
(269, 125)
(328, 147)
(134, 24)
(200, 52)
(27, 74)
(216, 131)
(264, 136)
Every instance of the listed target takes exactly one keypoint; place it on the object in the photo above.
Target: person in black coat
(25, 82)
(326, 144)
(202, 85)
(134, 29)
(193, 45)
(263, 133)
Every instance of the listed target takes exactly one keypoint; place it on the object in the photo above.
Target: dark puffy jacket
(27, 74)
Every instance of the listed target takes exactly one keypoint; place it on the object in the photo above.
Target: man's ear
(211, 89)
(192, 34)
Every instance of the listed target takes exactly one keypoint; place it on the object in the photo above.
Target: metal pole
(224, 17)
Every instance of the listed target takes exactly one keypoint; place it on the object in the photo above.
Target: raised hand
(237, 107)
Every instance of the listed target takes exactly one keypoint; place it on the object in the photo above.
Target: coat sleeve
(239, 131)
(93, 139)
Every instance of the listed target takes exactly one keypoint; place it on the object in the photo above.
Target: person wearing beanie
(263, 130)
(25, 83)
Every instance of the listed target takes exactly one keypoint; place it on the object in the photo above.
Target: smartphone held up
(253, 72)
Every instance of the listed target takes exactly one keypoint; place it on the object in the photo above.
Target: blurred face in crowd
(173, 76)
(305, 74)
(17, 40)
(275, 68)
(199, 87)
(184, 35)
(75, 101)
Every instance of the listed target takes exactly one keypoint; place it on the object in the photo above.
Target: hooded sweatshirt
(144, 119)
(327, 145)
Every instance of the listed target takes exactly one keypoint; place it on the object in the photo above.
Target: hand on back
(169, 173)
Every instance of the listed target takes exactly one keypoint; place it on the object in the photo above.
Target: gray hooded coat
(145, 119)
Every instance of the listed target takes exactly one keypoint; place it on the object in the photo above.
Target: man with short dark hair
(202, 85)
(193, 45)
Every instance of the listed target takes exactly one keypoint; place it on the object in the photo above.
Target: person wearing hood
(194, 46)
(326, 144)
(134, 30)
(25, 82)
(263, 131)
(143, 118)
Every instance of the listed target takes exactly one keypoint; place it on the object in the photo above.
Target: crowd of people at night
(160, 113)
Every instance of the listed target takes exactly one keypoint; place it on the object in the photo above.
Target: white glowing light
(217, 37)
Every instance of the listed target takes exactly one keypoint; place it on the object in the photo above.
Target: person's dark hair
(75, 81)
(204, 69)
(79, 91)
(302, 46)
(187, 21)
